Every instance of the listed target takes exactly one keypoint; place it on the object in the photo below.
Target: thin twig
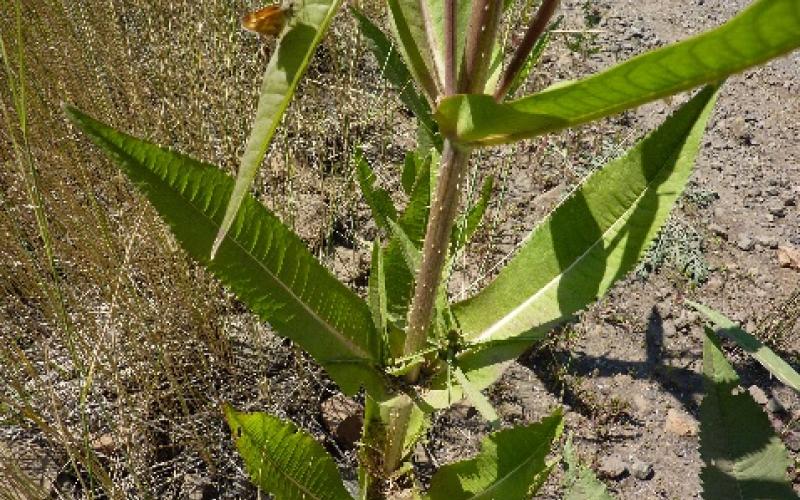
(535, 30)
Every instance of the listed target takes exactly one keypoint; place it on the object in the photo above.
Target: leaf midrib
(486, 334)
(505, 477)
(346, 342)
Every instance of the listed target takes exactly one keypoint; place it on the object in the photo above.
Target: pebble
(789, 256)
(680, 423)
(793, 440)
(767, 241)
(343, 417)
(775, 406)
(612, 467)
(718, 230)
(745, 243)
(758, 394)
(641, 470)
(778, 210)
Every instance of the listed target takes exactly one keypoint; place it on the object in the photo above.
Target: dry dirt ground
(629, 368)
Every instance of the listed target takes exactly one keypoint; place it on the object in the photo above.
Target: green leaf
(407, 20)
(507, 466)
(262, 261)
(411, 253)
(289, 61)
(594, 237)
(413, 221)
(579, 480)
(284, 460)
(393, 68)
(478, 400)
(463, 10)
(408, 176)
(763, 354)
(464, 231)
(379, 201)
(743, 457)
(767, 29)
(377, 295)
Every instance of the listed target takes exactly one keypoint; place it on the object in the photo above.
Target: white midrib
(353, 348)
(612, 229)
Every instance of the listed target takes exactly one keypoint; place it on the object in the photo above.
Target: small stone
(510, 411)
(718, 230)
(789, 257)
(103, 444)
(777, 209)
(343, 417)
(641, 470)
(714, 284)
(767, 241)
(641, 403)
(792, 440)
(612, 467)
(759, 396)
(775, 406)
(745, 243)
(680, 423)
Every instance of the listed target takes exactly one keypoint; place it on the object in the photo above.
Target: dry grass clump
(115, 349)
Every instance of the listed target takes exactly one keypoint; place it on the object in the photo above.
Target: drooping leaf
(744, 459)
(262, 261)
(284, 460)
(765, 30)
(396, 72)
(378, 199)
(579, 481)
(577, 253)
(507, 466)
(407, 21)
(289, 61)
(763, 354)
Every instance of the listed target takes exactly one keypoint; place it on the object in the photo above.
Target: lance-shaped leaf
(594, 237)
(284, 460)
(576, 254)
(378, 199)
(262, 261)
(413, 221)
(743, 457)
(290, 58)
(754, 347)
(767, 29)
(508, 466)
(393, 68)
(408, 24)
(466, 228)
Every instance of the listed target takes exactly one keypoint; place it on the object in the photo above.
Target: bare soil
(620, 368)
